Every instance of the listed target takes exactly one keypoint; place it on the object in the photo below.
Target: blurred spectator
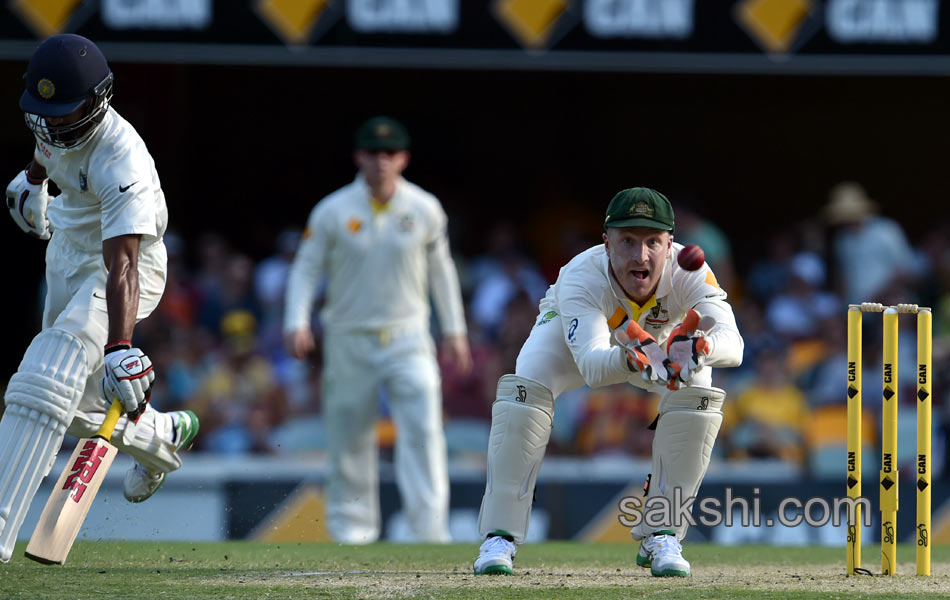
(872, 256)
(179, 305)
(498, 277)
(469, 393)
(796, 312)
(616, 420)
(213, 251)
(191, 353)
(769, 418)
(238, 399)
(691, 228)
(270, 285)
(768, 275)
(233, 290)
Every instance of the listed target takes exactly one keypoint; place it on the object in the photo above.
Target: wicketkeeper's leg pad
(686, 432)
(522, 417)
(41, 398)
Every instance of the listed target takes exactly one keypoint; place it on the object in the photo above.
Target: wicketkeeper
(623, 311)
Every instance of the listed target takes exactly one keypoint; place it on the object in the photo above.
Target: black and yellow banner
(687, 34)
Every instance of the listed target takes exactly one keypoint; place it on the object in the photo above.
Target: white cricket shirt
(591, 305)
(109, 188)
(379, 266)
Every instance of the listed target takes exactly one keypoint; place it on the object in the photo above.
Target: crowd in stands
(217, 343)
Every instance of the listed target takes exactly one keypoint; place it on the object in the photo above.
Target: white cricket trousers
(356, 365)
(75, 302)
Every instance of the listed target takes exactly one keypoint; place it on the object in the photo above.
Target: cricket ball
(691, 258)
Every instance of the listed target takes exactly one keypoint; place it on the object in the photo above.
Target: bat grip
(109, 423)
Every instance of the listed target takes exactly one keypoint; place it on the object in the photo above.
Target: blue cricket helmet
(65, 72)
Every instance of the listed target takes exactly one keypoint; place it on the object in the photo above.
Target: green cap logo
(642, 209)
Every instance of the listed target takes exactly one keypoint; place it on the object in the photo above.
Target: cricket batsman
(622, 311)
(105, 271)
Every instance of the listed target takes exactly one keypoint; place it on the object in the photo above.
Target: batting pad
(148, 442)
(40, 399)
(685, 435)
(521, 421)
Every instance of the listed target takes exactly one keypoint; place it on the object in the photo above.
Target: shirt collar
(365, 192)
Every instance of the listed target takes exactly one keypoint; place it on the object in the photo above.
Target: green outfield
(164, 570)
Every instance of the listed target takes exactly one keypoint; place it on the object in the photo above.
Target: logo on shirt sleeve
(572, 330)
(546, 317)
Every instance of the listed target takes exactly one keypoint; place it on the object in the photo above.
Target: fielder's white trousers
(356, 365)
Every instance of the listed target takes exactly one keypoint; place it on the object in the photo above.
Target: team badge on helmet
(45, 88)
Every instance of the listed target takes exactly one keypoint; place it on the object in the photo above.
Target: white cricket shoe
(140, 481)
(663, 553)
(495, 557)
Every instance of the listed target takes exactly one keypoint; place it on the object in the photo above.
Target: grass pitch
(553, 570)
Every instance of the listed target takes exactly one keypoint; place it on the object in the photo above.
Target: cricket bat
(73, 494)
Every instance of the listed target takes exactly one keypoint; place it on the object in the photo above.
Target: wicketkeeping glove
(644, 355)
(27, 200)
(128, 377)
(687, 347)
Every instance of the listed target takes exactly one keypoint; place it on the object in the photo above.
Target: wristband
(119, 345)
(33, 180)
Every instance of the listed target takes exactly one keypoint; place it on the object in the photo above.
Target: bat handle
(109, 423)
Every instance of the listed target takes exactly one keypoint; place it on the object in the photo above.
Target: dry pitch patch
(561, 570)
(823, 578)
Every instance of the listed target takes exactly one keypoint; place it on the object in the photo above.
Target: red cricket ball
(691, 258)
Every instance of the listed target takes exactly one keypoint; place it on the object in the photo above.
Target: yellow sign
(531, 21)
(774, 24)
(46, 17)
(292, 20)
(606, 525)
(300, 518)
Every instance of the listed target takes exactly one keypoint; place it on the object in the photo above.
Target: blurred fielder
(105, 270)
(381, 244)
(619, 312)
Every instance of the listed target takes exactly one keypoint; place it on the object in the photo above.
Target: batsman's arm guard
(522, 417)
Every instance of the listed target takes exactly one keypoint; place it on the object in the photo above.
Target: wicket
(889, 477)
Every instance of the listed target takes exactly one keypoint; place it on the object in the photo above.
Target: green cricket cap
(640, 207)
(382, 133)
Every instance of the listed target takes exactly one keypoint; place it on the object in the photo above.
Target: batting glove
(27, 200)
(687, 347)
(128, 377)
(644, 355)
